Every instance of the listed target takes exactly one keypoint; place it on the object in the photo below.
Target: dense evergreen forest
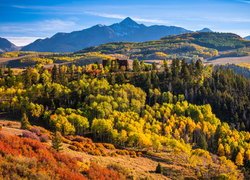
(185, 104)
(226, 92)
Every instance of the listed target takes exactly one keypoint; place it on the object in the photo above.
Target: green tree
(159, 169)
(57, 141)
(136, 65)
(25, 121)
(202, 143)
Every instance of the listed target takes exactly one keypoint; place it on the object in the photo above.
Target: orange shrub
(122, 152)
(97, 172)
(77, 144)
(95, 152)
(73, 148)
(132, 154)
(99, 145)
(109, 146)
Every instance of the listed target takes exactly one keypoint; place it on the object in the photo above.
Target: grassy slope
(176, 164)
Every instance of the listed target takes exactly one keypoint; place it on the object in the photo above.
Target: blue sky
(23, 21)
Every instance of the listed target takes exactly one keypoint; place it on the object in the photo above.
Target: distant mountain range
(6, 45)
(247, 38)
(205, 30)
(125, 31)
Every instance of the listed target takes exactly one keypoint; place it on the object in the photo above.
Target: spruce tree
(57, 141)
(159, 169)
(25, 121)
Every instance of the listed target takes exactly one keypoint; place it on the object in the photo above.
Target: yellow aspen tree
(221, 150)
(239, 159)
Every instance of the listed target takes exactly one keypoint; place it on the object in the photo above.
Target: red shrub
(97, 172)
(53, 164)
(66, 174)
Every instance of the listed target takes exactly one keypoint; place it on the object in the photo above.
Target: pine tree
(136, 65)
(54, 73)
(202, 143)
(1, 72)
(57, 141)
(25, 121)
(159, 169)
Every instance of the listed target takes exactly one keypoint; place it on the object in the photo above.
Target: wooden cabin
(125, 64)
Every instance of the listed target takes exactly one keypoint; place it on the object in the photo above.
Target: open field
(5, 60)
(229, 60)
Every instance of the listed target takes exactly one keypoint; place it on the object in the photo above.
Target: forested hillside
(218, 41)
(188, 108)
(190, 46)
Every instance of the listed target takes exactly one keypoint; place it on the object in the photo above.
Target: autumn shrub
(139, 154)
(132, 154)
(74, 148)
(122, 152)
(222, 177)
(99, 145)
(95, 152)
(82, 139)
(120, 169)
(31, 135)
(66, 141)
(97, 172)
(68, 161)
(79, 139)
(9, 124)
(89, 146)
(26, 158)
(108, 146)
(102, 151)
(35, 130)
(77, 144)
(112, 154)
(44, 138)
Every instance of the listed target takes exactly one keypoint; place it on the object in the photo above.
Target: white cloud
(25, 33)
(22, 41)
(41, 28)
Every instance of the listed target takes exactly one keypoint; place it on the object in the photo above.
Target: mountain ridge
(125, 31)
(6, 45)
(247, 38)
(205, 30)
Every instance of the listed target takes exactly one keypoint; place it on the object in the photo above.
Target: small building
(125, 64)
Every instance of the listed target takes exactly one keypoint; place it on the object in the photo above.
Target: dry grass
(246, 65)
(139, 167)
(11, 127)
(229, 60)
